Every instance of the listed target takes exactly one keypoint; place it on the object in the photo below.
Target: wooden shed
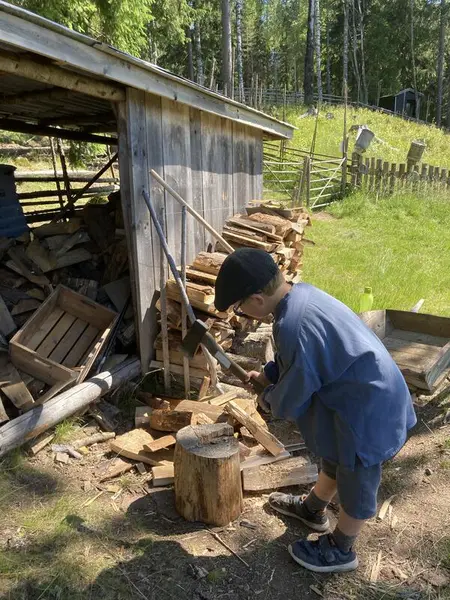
(60, 83)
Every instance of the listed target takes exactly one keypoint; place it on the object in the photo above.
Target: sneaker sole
(316, 526)
(351, 566)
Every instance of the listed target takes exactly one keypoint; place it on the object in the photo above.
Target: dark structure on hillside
(403, 103)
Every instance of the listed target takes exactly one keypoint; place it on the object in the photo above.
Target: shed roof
(24, 33)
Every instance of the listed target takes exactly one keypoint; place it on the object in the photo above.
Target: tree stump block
(207, 474)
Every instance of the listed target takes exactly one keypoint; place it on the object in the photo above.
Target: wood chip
(62, 457)
(384, 507)
(375, 572)
(40, 444)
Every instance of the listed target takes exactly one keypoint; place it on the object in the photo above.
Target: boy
(336, 380)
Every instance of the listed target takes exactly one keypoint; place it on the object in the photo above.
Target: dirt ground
(129, 542)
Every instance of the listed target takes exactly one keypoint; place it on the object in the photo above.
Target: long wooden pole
(163, 301)
(187, 379)
(193, 212)
(39, 419)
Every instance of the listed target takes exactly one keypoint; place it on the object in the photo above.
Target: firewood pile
(62, 288)
(277, 230)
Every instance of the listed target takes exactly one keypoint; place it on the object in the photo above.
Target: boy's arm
(290, 395)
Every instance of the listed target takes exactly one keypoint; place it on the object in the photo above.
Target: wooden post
(187, 382)
(392, 178)
(401, 175)
(443, 181)
(385, 182)
(207, 474)
(307, 178)
(164, 323)
(372, 175)
(423, 176)
(366, 173)
(62, 158)
(55, 171)
(356, 161)
(42, 417)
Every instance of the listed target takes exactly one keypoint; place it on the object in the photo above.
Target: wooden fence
(302, 177)
(385, 178)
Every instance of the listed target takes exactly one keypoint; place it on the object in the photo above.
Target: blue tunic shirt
(334, 377)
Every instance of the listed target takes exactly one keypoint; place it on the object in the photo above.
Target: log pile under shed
(64, 303)
(279, 231)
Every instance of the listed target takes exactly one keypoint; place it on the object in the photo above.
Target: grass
(400, 246)
(393, 134)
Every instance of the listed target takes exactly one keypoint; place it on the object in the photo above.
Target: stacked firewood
(275, 230)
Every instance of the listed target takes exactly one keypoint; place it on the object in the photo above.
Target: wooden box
(60, 342)
(419, 344)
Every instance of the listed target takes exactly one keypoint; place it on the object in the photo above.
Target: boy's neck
(280, 293)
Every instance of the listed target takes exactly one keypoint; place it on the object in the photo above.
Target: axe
(198, 332)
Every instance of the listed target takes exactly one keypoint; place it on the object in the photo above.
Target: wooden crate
(419, 344)
(60, 342)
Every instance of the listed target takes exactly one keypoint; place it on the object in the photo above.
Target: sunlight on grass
(400, 246)
(66, 430)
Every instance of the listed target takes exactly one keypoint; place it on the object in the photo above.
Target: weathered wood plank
(241, 168)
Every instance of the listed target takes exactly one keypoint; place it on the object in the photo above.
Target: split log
(264, 437)
(282, 226)
(39, 419)
(254, 344)
(207, 474)
(163, 475)
(160, 444)
(132, 445)
(170, 420)
(293, 471)
(7, 325)
(209, 262)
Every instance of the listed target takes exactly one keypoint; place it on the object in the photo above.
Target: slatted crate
(60, 342)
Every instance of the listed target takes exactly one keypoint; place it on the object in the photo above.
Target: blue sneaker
(322, 556)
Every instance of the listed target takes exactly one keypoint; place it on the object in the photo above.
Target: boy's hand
(262, 379)
(259, 376)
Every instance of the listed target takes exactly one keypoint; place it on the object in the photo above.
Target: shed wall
(215, 164)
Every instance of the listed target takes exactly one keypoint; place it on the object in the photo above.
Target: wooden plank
(73, 359)
(255, 148)
(13, 386)
(115, 468)
(69, 340)
(420, 322)
(178, 369)
(25, 305)
(159, 444)
(3, 414)
(200, 276)
(217, 164)
(71, 258)
(264, 437)
(177, 172)
(242, 192)
(55, 335)
(47, 325)
(85, 309)
(422, 338)
(196, 165)
(131, 445)
(139, 224)
(64, 227)
(7, 325)
(293, 471)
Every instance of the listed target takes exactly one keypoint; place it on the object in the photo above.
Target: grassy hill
(393, 134)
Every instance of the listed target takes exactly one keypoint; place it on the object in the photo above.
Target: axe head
(194, 337)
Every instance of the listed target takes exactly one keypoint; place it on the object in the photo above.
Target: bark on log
(170, 420)
(39, 419)
(207, 474)
(254, 344)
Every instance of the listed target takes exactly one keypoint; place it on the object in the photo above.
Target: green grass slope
(393, 134)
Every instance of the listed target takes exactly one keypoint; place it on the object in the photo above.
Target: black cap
(244, 272)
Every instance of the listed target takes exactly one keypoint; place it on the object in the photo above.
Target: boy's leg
(358, 497)
(309, 510)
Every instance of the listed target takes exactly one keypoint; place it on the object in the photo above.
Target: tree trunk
(309, 56)
(190, 55)
(365, 91)
(345, 52)
(207, 474)
(198, 54)
(413, 60)
(440, 69)
(328, 57)
(318, 49)
(239, 61)
(226, 48)
(354, 39)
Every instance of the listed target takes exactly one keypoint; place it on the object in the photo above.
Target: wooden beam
(55, 75)
(39, 419)
(64, 134)
(28, 31)
(55, 94)
(105, 119)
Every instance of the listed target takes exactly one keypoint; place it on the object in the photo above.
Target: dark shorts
(357, 489)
